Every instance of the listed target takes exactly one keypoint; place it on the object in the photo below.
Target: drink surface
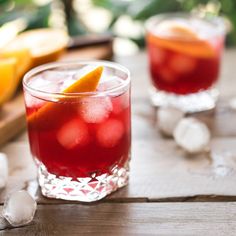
(184, 55)
(81, 135)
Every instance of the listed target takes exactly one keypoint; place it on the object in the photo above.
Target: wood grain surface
(101, 52)
(211, 219)
(190, 186)
(160, 171)
(12, 118)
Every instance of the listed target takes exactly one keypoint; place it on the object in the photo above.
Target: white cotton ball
(19, 208)
(3, 170)
(192, 135)
(168, 118)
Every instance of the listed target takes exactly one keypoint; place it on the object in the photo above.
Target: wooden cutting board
(12, 114)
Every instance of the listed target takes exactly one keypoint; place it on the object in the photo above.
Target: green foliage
(143, 9)
(73, 23)
(228, 8)
(37, 16)
(33, 15)
(39, 19)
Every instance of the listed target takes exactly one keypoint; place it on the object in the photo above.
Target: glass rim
(217, 20)
(40, 93)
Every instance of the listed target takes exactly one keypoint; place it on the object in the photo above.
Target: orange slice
(45, 44)
(23, 60)
(178, 31)
(182, 40)
(7, 79)
(88, 83)
(195, 48)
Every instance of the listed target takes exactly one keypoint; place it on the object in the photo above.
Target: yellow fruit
(45, 44)
(7, 79)
(23, 59)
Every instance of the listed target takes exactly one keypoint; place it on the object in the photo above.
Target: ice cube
(192, 135)
(177, 28)
(3, 170)
(109, 133)
(4, 224)
(203, 28)
(52, 81)
(223, 163)
(167, 75)
(168, 118)
(95, 109)
(56, 76)
(39, 83)
(232, 103)
(19, 208)
(158, 55)
(120, 103)
(83, 71)
(67, 83)
(73, 133)
(32, 101)
(109, 83)
(108, 73)
(182, 64)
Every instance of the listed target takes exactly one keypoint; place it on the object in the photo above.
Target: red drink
(184, 54)
(85, 136)
(176, 71)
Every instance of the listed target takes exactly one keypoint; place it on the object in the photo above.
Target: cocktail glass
(80, 141)
(184, 53)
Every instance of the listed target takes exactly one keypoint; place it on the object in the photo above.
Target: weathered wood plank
(132, 219)
(22, 170)
(101, 52)
(159, 171)
(220, 121)
(12, 119)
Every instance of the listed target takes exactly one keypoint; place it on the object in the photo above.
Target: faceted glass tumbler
(79, 141)
(184, 52)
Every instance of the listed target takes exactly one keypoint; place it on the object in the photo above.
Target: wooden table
(170, 193)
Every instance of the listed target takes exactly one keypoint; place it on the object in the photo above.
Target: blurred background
(122, 18)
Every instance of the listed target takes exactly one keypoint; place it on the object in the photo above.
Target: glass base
(83, 189)
(196, 102)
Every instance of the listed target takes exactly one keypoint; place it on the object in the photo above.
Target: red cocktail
(184, 54)
(81, 141)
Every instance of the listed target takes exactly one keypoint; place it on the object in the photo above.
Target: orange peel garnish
(196, 48)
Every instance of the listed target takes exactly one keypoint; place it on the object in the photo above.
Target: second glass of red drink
(184, 57)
